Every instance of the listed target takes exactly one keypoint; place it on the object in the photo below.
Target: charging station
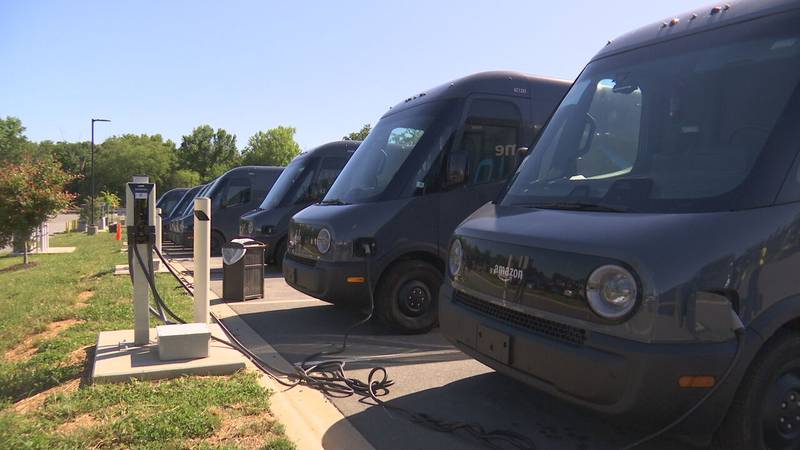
(172, 349)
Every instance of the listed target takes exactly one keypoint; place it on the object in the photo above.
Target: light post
(92, 228)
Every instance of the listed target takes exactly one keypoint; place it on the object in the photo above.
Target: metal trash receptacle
(243, 270)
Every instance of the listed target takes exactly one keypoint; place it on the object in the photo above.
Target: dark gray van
(232, 194)
(428, 163)
(644, 261)
(177, 212)
(169, 200)
(306, 180)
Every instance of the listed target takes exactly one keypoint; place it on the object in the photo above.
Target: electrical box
(183, 341)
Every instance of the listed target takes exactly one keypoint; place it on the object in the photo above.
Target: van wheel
(765, 413)
(407, 298)
(216, 243)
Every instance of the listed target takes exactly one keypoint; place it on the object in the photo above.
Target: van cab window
(328, 171)
(491, 145)
(237, 192)
(676, 126)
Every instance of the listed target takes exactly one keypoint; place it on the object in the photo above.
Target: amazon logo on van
(505, 273)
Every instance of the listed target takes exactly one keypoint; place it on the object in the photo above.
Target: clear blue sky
(168, 66)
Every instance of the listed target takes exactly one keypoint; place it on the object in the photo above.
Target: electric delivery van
(232, 194)
(177, 211)
(428, 163)
(169, 200)
(306, 180)
(183, 211)
(644, 260)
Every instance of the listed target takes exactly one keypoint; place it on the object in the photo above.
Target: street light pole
(92, 228)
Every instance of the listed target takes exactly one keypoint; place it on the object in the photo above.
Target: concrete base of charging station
(115, 363)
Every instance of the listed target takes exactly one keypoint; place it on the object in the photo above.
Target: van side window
(491, 139)
(237, 192)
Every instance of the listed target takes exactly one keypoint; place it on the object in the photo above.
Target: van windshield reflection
(385, 150)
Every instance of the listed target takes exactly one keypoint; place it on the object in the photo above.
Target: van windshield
(297, 174)
(177, 211)
(671, 127)
(387, 147)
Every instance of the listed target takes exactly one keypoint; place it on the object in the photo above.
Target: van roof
(705, 18)
(507, 83)
(252, 169)
(331, 148)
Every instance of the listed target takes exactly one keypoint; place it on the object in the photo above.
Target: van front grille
(535, 324)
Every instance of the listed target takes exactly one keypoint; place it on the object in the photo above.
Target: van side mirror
(456, 169)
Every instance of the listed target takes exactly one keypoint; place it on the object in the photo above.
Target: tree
(14, 145)
(119, 158)
(75, 158)
(30, 191)
(207, 152)
(181, 178)
(359, 135)
(274, 147)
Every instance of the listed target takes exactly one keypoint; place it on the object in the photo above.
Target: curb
(309, 418)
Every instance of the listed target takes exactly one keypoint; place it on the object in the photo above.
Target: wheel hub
(414, 298)
(781, 416)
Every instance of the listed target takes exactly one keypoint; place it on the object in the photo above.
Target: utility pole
(92, 227)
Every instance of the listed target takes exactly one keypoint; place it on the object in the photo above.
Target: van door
(486, 156)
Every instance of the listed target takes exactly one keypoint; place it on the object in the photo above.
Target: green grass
(187, 412)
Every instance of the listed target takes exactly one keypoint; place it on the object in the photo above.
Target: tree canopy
(209, 153)
(119, 158)
(274, 147)
(13, 143)
(359, 135)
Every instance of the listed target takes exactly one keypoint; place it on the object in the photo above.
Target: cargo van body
(428, 163)
(305, 181)
(232, 194)
(643, 262)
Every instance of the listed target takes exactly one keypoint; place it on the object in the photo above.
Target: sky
(326, 68)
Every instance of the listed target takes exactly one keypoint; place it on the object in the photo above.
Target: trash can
(243, 270)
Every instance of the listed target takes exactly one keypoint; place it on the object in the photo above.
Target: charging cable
(330, 376)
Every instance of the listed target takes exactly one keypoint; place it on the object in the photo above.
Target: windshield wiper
(333, 201)
(574, 206)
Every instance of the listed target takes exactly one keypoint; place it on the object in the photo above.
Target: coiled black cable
(330, 376)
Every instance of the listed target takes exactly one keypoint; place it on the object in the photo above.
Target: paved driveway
(430, 376)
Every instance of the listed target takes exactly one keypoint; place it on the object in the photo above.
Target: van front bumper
(611, 375)
(327, 280)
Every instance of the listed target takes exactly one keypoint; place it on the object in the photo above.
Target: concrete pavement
(430, 376)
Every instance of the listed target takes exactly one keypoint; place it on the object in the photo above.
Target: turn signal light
(698, 381)
(356, 279)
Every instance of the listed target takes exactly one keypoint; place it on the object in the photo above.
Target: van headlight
(324, 241)
(456, 257)
(611, 291)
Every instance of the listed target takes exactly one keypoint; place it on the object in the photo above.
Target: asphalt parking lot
(430, 375)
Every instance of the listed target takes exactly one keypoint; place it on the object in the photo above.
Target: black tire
(217, 241)
(407, 297)
(769, 391)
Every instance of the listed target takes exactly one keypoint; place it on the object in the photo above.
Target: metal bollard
(158, 230)
(202, 257)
